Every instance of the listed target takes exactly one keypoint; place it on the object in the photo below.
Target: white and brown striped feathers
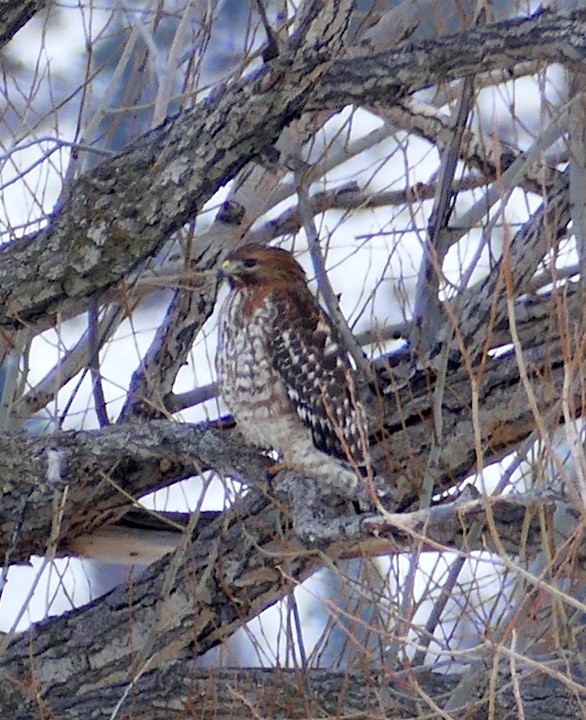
(282, 370)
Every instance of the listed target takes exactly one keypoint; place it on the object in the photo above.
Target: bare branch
(129, 205)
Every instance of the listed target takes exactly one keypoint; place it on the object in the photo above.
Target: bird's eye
(249, 262)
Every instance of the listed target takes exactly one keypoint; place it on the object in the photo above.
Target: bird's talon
(275, 469)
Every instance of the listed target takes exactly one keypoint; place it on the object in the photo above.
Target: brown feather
(275, 321)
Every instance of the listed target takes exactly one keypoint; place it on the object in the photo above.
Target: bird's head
(254, 265)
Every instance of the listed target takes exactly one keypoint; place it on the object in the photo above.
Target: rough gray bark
(121, 213)
(57, 490)
(14, 14)
(77, 477)
(141, 457)
(189, 602)
(181, 690)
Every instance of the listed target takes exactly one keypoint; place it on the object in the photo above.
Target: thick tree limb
(81, 472)
(14, 14)
(241, 563)
(89, 478)
(122, 212)
(180, 689)
(143, 539)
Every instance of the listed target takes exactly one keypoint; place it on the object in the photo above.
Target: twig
(94, 364)
(427, 309)
(325, 289)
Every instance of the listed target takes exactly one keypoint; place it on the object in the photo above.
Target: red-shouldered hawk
(283, 371)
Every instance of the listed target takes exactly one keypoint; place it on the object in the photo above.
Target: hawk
(282, 369)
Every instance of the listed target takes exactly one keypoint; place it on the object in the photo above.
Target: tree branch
(91, 466)
(122, 212)
(14, 14)
(95, 475)
(181, 689)
(232, 571)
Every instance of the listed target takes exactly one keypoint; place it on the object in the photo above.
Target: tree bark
(122, 212)
(181, 690)
(58, 490)
(14, 14)
(75, 476)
